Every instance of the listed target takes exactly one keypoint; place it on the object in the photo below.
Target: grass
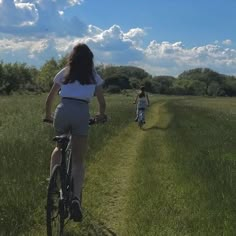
(186, 185)
(177, 176)
(25, 153)
(24, 150)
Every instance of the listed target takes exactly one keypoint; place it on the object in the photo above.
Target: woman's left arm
(50, 98)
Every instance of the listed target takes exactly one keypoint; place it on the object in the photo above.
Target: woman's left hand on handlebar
(101, 118)
(48, 119)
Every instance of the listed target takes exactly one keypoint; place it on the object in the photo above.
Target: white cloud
(41, 17)
(17, 14)
(109, 39)
(112, 45)
(115, 46)
(136, 36)
(60, 4)
(134, 33)
(93, 30)
(61, 13)
(75, 2)
(113, 39)
(176, 58)
(227, 42)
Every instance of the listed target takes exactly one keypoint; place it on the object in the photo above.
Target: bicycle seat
(61, 138)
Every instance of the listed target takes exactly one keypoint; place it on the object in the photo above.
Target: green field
(177, 176)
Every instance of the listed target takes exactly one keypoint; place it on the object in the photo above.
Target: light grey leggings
(72, 116)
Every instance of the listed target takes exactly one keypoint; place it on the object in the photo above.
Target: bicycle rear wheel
(55, 204)
(140, 124)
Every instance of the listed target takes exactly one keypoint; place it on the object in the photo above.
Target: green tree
(134, 83)
(17, 76)
(229, 86)
(164, 83)
(213, 89)
(147, 83)
(204, 75)
(117, 80)
(198, 87)
(46, 74)
(62, 62)
(11, 78)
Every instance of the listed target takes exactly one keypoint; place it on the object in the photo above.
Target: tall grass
(24, 152)
(186, 183)
(175, 177)
(25, 149)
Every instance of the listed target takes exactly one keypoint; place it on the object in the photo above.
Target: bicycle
(60, 187)
(141, 120)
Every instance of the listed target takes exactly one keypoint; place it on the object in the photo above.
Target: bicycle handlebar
(92, 120)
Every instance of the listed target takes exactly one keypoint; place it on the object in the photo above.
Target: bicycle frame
(140, 116)
(64, 143)
(60, 188)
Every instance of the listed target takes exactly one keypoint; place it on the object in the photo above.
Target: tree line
(19, 77)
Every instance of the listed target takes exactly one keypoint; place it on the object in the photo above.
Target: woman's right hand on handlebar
(48, 119)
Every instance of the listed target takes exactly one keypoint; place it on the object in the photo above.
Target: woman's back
(142, 100)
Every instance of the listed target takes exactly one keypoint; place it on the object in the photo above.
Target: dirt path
(112, 172)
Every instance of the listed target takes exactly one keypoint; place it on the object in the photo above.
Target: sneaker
(75, 211)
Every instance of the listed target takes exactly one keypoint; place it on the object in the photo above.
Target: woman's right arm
(101, 100)
(101, 116)
(50, 98)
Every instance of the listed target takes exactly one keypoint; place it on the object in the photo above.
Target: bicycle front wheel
(55, 204)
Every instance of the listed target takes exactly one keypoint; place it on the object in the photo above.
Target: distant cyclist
(142, 101)
(77, 83)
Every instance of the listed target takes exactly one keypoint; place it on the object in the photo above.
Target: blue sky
(164, 37)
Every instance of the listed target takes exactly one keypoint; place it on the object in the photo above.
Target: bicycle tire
(55, 204)
(140, 124)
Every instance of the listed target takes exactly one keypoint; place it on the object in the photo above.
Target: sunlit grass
(25, 149)
(175, 177)
(186, 183)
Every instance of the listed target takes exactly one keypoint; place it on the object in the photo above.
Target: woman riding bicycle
(142, 101)
(77, 83)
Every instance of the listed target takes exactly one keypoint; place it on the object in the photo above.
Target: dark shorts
(71, 116)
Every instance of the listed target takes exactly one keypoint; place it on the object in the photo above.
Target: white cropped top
(77, 90)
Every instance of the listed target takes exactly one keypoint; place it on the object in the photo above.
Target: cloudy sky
(164, 37)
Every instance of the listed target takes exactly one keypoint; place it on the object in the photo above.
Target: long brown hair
(80, 65)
